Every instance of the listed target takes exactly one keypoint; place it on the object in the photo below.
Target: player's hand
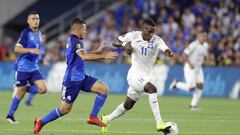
(128, 48)
(34, 51)
(102, 46)
(168, 52)
(110, 55)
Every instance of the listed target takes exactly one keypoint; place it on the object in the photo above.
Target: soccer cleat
(37, 126)
(28, 103)
(11, 120)
(105, 121)
(163, 127)
(173, 85)
(194, 108)
(93, 120)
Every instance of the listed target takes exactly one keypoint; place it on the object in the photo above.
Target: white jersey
(196, 53)
(144, 53)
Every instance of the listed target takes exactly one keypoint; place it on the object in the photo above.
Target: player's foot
(163, 127)
(93, 120)
(194, 108)
(173, 85)
(11, 120)
(105, 121)
(37, 126)
(28, 103)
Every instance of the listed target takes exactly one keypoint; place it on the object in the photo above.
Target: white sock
(119, 111)
(153, 102)
(196, 97)
(182, 86)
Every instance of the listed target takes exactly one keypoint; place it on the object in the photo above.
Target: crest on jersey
(150, 45)
(79, 46)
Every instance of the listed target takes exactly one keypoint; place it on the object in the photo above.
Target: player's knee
(150, 88)
(42, 90)
(127, 106)
(104, 90)
(65, 110)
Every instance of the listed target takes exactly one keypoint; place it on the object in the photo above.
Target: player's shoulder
(156, 38)
(194, 43)
(25, 31)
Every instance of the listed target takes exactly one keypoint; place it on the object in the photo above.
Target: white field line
(116, 132)
(141, 119)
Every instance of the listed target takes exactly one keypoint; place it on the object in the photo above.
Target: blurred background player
(42, 49)
(75, 79)
(194, 56)
(28, 47)
(144, 47)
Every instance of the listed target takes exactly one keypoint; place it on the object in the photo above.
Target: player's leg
(119, 111)
(56, 113)
(20, 88)
(69, 95)
(153, 102)
(189, 76)
(32, 90)
(37, 79)
(198, 92)
(101, 89)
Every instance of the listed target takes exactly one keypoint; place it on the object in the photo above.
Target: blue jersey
(28, 62)
(75, 65)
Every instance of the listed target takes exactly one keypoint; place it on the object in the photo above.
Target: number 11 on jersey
(144, 51)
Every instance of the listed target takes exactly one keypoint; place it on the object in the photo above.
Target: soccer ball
(173, 130)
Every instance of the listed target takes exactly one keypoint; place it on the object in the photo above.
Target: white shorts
(193, 76)
(136, 84)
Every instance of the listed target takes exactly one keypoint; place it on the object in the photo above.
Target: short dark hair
(77, 21)
(32, 13)
(149, 22)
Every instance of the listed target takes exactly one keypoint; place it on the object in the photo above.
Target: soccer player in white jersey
(194, 56)
(143, 46)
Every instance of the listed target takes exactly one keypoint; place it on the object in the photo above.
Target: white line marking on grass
(116, 131)
(146, 119)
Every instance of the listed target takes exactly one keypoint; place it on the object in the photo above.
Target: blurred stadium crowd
(177, 23)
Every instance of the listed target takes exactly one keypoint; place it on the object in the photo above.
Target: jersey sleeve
(126, 37)
(78, 46)
(22, 41)
(161, 44)
(189, 49)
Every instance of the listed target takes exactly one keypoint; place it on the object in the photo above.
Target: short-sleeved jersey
(28, 62)
(75, 65)
(196, 52)
(144, 52)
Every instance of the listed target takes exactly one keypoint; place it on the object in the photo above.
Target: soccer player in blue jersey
(32, 89)
(27, 64)
(75, 79)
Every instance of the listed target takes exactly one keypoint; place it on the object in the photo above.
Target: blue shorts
(22, 78)
(70, 90)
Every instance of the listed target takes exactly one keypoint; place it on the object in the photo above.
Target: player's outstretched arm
(117, 43)
(100, 48)
(21, 49)
(94, 57)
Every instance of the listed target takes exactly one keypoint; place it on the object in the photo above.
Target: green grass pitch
(217, 117)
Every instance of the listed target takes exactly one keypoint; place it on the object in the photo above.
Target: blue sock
(32, 89)
(30, 98)
(53, 115)
(99, 101)
(14, 106)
